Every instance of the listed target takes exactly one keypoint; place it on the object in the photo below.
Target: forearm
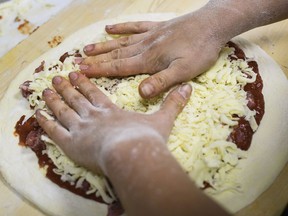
(231, 18)
(149, 181)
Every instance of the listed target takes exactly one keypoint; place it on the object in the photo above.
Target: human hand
(89, 125)
(173, 51)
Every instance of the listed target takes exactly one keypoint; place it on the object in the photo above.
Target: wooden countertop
(273, 39)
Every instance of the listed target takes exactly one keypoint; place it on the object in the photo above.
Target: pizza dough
(268, 153)
(269, 141)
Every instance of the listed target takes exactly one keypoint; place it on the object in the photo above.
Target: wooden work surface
(273, 39)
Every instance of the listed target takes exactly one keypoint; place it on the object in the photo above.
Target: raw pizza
(231, 124)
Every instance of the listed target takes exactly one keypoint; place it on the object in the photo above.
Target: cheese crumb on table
(20, 18)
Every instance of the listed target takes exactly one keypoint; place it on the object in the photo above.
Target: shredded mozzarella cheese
(199, 137)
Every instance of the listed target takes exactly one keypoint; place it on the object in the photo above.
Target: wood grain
(273, 39)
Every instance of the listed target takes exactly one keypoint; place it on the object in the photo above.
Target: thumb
(176, 101)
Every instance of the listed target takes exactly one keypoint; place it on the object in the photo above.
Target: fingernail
(147, 89)
(73, 75)
(89, 48)
(185, 90)
(57, 80)
(38, 113)
(109, 27)
(84, 67)
(47, 92)
(44, 114)
(78, 60)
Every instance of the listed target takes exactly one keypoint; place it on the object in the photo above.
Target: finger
(121, 53)
(71, 96)
(90, 90)
(163, 80)
(65, 115)
(175, 101)
(116, 68)
(104, 47)
(54, 130)
(131, 27)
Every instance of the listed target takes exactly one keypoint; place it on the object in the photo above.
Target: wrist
(120, 145)
(227, 19)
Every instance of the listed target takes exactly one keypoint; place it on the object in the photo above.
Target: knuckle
(142, 26)
(67, 140)
(116, 65)
(74, 100)
(62, 111)
(160, 81)
(157, 65)
(81, 126)
(89, 60)
(125, 41)
(185, 70)
(90, 95)
(138, 26)
(153, 60)
(177, 100)
(62, 87)
(115, 54)
(101, 47)
(52, 129)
